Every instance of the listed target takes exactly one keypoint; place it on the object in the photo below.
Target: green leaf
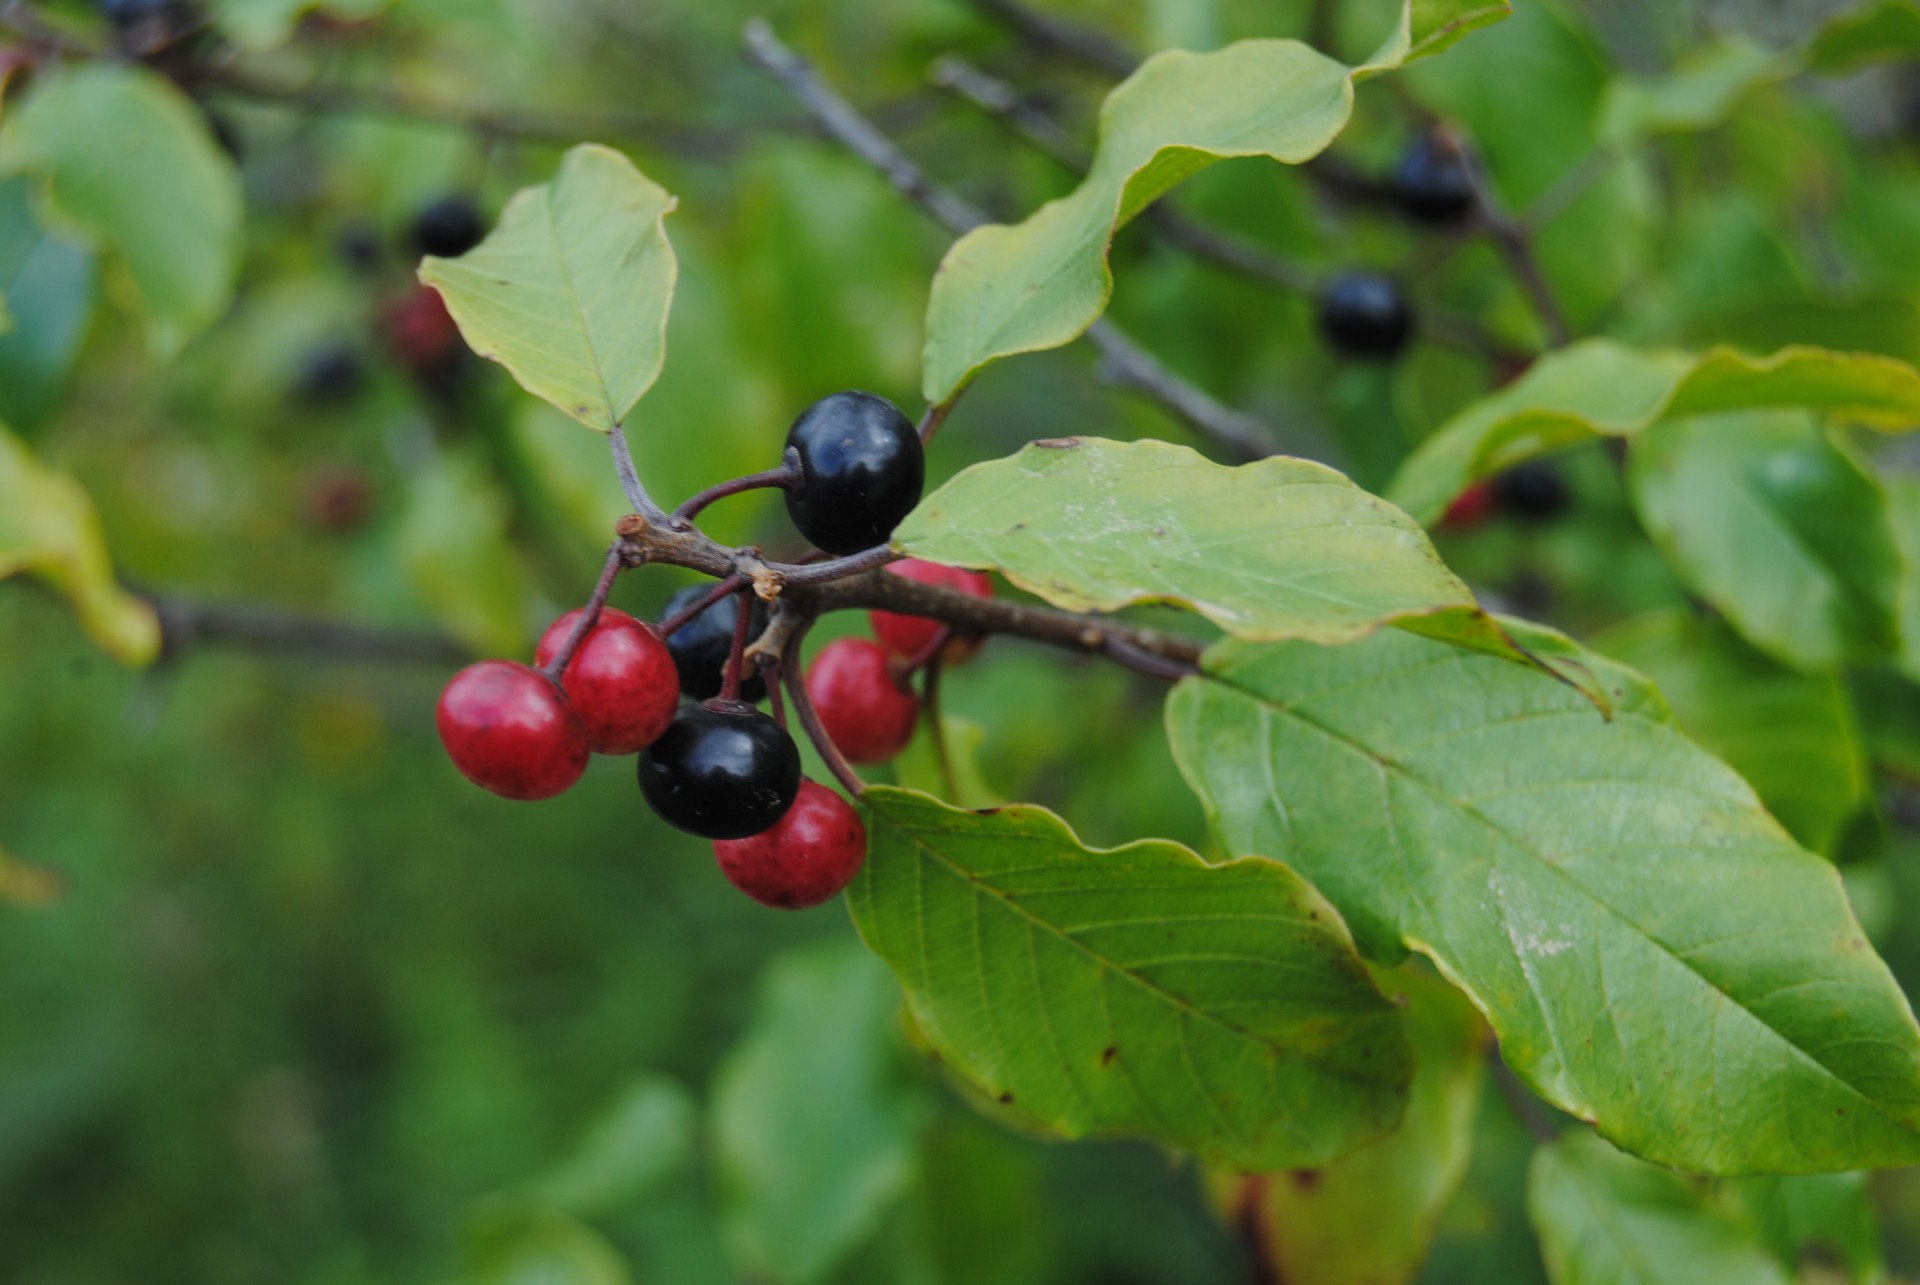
(1014, 288)
(814, 1124)
(1278, 549)
(1867, 34)
(1903, 511)
(1369, 1218)
(1137, 991)
(127, 160)
(1607, 1219)
(1826, 1218)
(644, 1136)
(571, 291)
(1698, 94)
(268, 24)
(50, 529)
(1791, 735)
(1599, 388)
(48, 284)
(538, 1247)
(452, 541)
(1780, 526)
(1654, 952)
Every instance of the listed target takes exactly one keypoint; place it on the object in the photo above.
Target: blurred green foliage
(307, 1008)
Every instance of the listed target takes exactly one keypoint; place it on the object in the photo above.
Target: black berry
(1433, 182)
(861, 470)
(721, 774)
(701, 646)
(1533, 492)
(449, 227)
(1364, 314)
(359, 247)
(330, 374)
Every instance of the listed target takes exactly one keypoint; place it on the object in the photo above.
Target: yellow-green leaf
(50, 529)
(571, 291)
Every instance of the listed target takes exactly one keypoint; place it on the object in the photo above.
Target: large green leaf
(1220, 1009)
(1368, 1218)
(128, 161)
(1868, 33)
(814, 1124)
(571, 291)
(1607, 1219)
(1903, 511)
(48, 284)
(1654, 952)
(1277, 549)
(1791, 735)
(1013, 288)
(1602, 388)
(50, 529)
(1780, 526)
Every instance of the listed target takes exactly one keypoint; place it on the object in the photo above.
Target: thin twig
(730, 673)
(809, 717)
(692, 507)
(589, 615)
(935, 416)
(1002, 103)
(1534, 1117)
(1126, 363)
(672, 624)
(1514, 242)
(836, 568)
(337, 99)
(799, 589)
(1567, 189)
(185, 622)
(1085, 45)
(630, 482)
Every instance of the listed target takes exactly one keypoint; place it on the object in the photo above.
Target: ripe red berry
(510, 730)
(621, 680)
(809, 855)
(1470, 508)
(906, 636)
(867, 712)
(420, 330)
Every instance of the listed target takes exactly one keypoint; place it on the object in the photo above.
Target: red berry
(810, 854)
(420, 329)
(621, 680)
(906, 636)
(510, 730)
(1470, 508)
(867, 712)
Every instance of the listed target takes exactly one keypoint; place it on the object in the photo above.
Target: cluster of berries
(1365, 314)
(712, 764)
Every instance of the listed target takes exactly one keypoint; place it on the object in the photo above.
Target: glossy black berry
(861, 470)
(1364, 314)
(449, 227)
(1534, 492)
(721, 774)
(1433, 182)
(701, 646)
(329, 375)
